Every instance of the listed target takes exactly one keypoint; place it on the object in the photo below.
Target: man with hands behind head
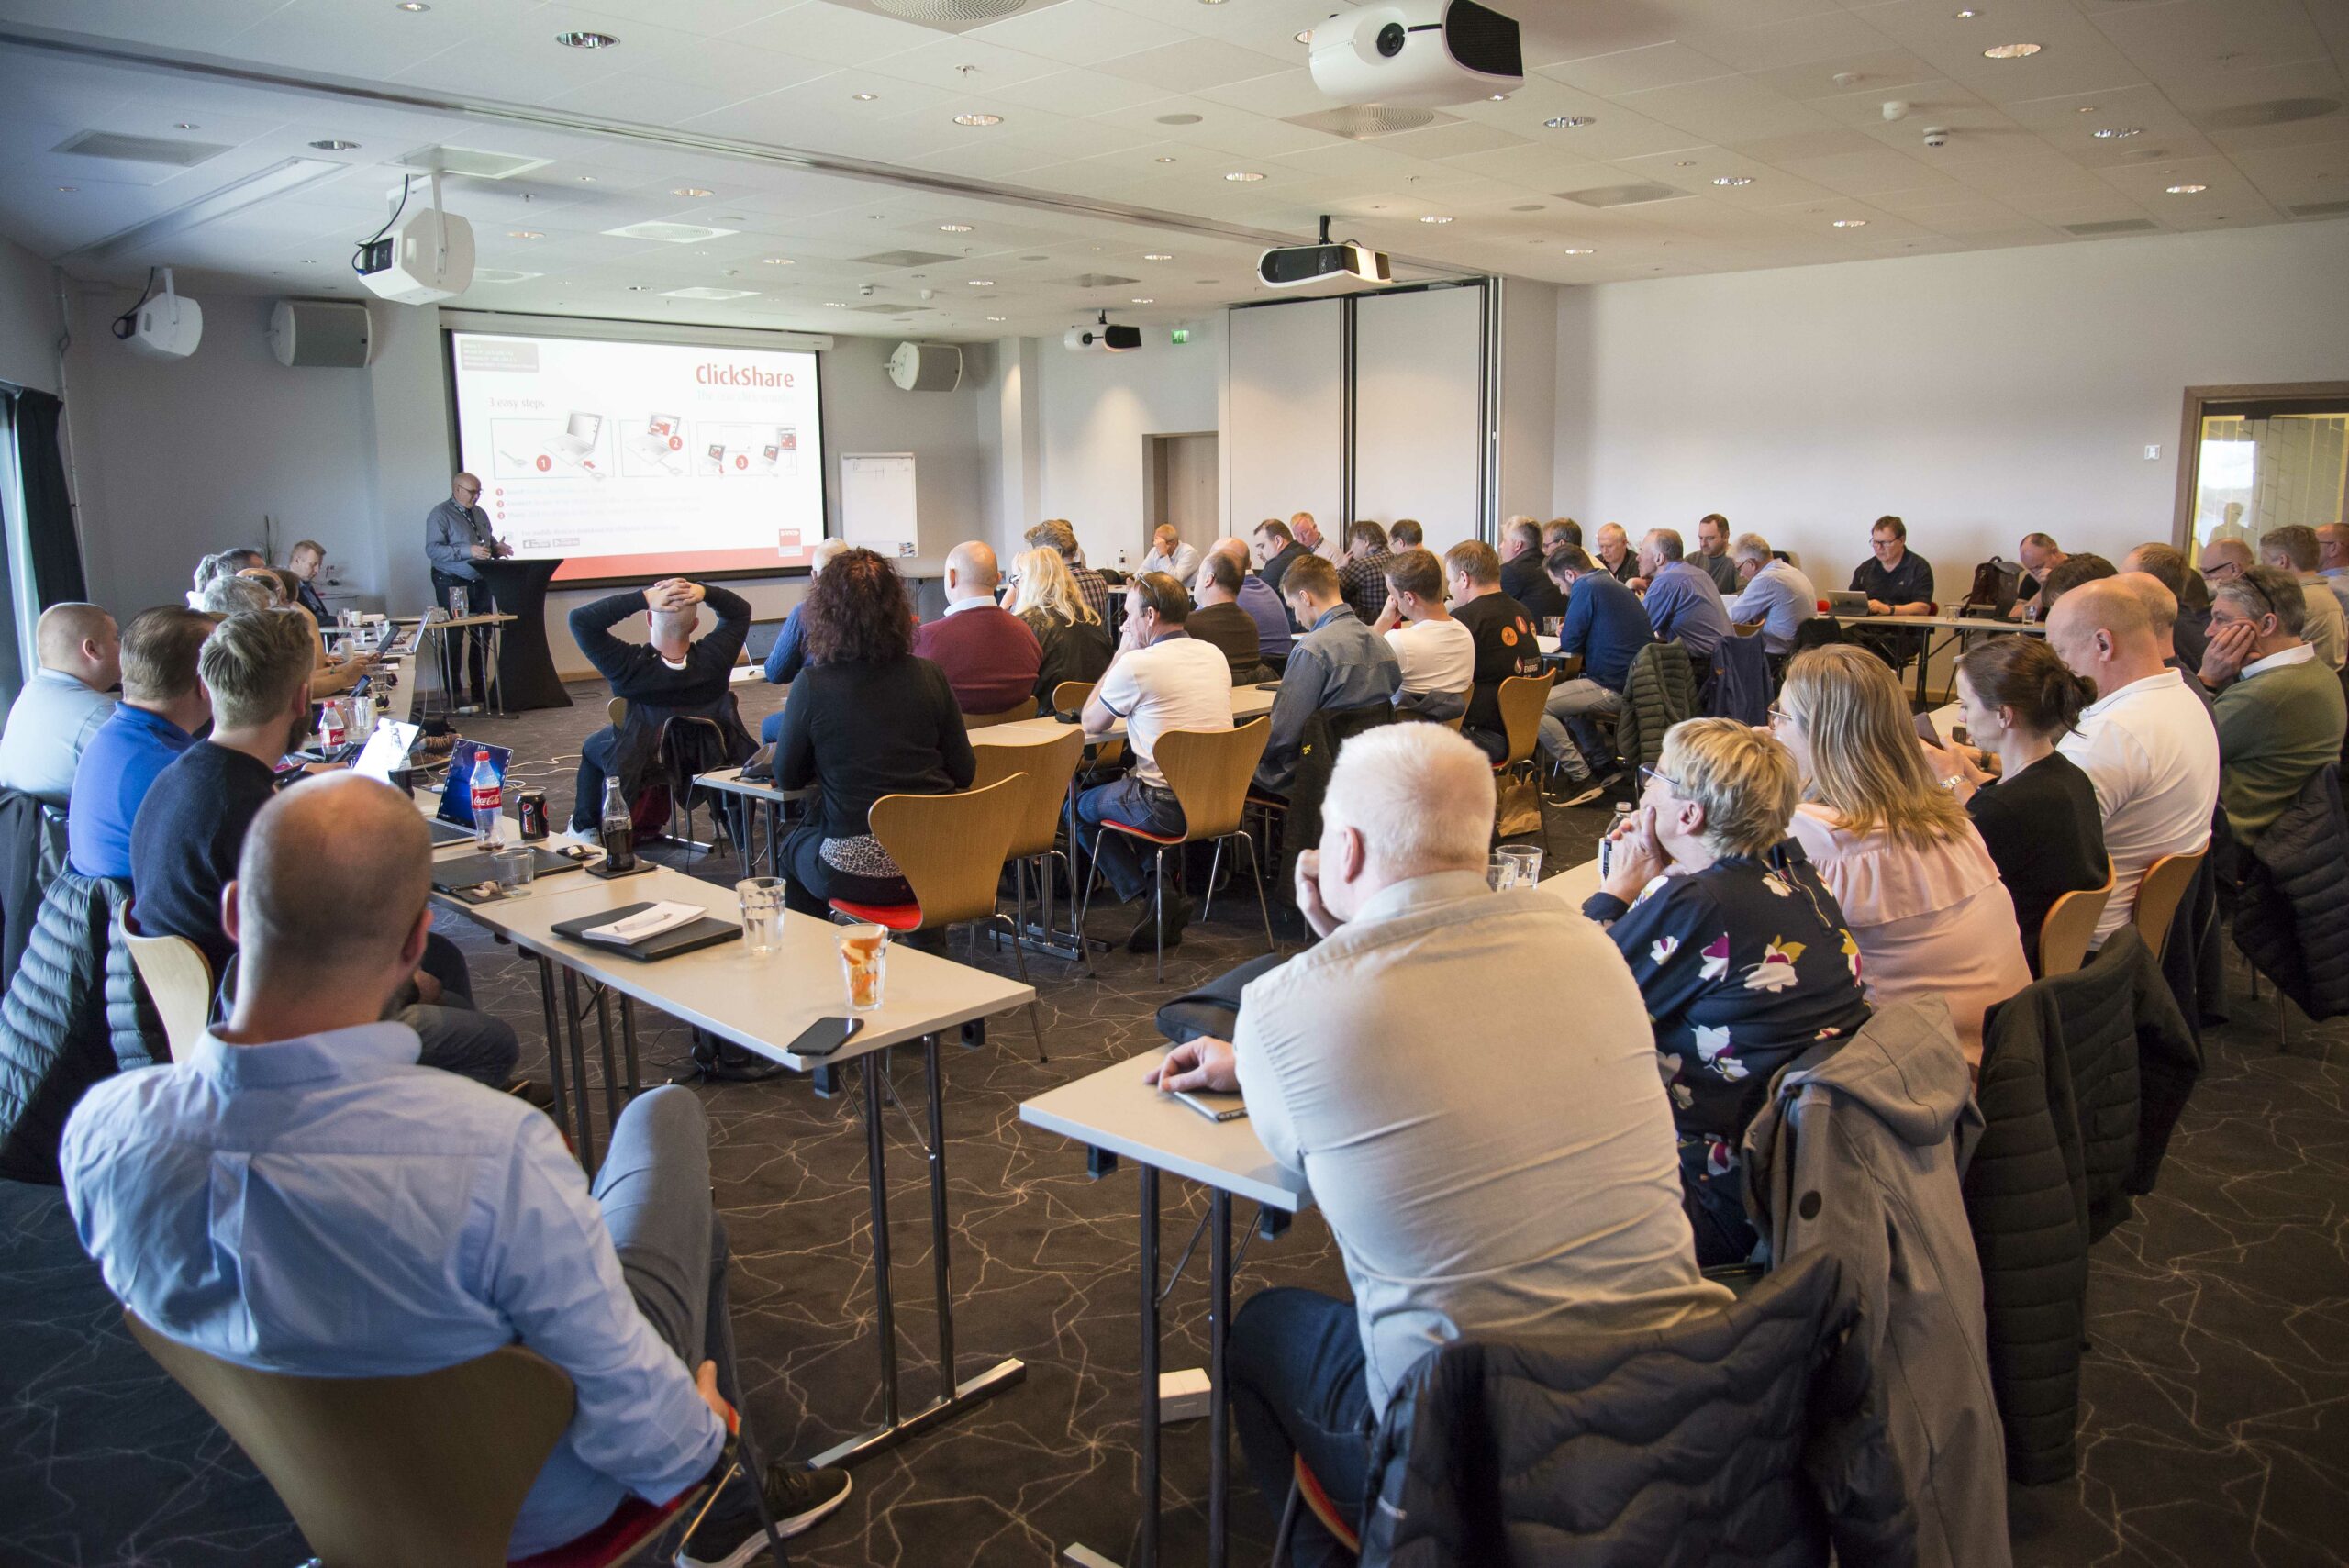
(668, 674)
(1485, 1168)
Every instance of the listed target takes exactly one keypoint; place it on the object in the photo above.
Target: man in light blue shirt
(1772, 592)
(64, 703)
(1681, 600)
(298, 1195)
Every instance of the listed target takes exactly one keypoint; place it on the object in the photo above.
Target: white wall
(1093, 411)
(28, 319)
(1979, 396)
(1529, 413)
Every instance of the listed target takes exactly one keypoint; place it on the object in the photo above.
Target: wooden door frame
(2189, 438)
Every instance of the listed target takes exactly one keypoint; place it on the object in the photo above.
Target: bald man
(2160, 611)
(2147, 743)
(1263, 603)
(670, 673)
(1443, 1190)
(457, 537)
(990, 657)
(63, 705)
(479, 1230)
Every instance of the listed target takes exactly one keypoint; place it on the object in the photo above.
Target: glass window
(2259, 466)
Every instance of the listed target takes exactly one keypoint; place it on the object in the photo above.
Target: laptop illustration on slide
(652, 444)
(579, 438)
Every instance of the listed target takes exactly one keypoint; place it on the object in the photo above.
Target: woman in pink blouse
(1890, 841)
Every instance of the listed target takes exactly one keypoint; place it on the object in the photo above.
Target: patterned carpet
(2215, 1428)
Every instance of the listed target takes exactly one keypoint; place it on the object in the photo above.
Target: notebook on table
(702, 933)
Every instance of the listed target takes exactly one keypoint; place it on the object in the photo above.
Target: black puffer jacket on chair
(2292, 905)
(1750, 1438)
(74, 1013)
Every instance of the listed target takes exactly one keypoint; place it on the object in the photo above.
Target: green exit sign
(1180, 335)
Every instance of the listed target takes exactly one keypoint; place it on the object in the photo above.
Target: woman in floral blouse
(1740, 952)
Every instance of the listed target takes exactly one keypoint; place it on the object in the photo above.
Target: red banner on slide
(677, 563)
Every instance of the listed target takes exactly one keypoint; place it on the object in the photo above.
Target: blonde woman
(1916, 883)
(1075, 643)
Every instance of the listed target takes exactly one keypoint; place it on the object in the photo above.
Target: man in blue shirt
(1274, 636)
(164, 705)
(67, 700)
(1772, 592)
(1607, 627)
(221, 1194)
(1683, 605)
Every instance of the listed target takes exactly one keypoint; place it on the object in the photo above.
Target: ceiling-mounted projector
(1421, 52)
(161, 325)
(421, 259)
(1117, 339)
(1287, 266)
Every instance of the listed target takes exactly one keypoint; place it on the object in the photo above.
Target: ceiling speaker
(924, 367)
(948, 16)
(321, 332)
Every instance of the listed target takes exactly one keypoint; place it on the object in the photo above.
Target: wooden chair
(1745, 627)
(950, 849)
(616, 711)
(1070, 696)
(1521, 700)
(2159, 895)
(179, 981)
(2070, 926)
(1051, 770)
(1024, 708)
(391, 1472)
(1208, 771)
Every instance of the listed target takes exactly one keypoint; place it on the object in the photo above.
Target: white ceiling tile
(1637, 70)
(1079, 32)
(2192, 39)
(1190, 65)
(819, 32)
(1727, 111)
(1798, 40)
(964, 65)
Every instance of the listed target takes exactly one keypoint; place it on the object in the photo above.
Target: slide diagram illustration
(531, 448)
(744, 452)
(656, 449)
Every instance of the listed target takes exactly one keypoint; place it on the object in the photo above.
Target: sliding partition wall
(1371, 405)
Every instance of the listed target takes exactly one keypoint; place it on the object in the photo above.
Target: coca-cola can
(530, 806)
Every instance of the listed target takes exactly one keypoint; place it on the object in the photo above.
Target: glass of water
(1500, 872)
(1526, 857)
(761, 899)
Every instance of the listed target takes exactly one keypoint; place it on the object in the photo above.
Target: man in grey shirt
(1338, 663)
(1772, 592)
(456, 534)
(1468, 1081)
(1713, 553)
(64, 703)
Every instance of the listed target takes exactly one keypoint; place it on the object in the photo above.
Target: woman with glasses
(1891, 841)
(1743, 956)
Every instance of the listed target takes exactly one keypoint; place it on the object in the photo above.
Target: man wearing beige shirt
(1486, 1167)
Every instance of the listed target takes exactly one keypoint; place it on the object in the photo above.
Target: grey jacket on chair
(1856, 1155)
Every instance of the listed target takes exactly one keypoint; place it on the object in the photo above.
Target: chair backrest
(1745, 627)
(1048, 768)
(179, 980)
(1208, 771)
(1070, 696)
(616, 711)
(1522, 699)
(2070, 926)
(389, 1471)
(951, 846)
(2159, 895)
(1024, 708)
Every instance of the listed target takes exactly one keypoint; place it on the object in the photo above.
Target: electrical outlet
(2153, 453)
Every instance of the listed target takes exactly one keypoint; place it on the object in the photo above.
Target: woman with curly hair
(866, 718)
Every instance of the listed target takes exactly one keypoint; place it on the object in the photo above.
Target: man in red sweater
(989, 655)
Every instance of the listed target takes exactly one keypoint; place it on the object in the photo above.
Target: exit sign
(1180, 335)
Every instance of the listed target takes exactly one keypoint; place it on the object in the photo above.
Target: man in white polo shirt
(1161, 678)
(2147, 742)
(1437, 655)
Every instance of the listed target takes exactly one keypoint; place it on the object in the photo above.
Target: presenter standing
(456, 534)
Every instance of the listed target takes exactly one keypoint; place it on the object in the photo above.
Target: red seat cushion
(1162, 840)
(1308, 1485)
(619, 1537)
(897, 916)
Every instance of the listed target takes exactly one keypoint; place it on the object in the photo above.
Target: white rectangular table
(1960, 629)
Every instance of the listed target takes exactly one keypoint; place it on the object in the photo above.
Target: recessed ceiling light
(978, 119)
(982, 283)
(1966, 15)
(777, 262)
(864, 97)
(1432, 217)
(584, 179)
(953, 228)
(1210, 2)
(690, 191)
(1851, 223)
(580, 39)
(332, 144)
(1571, 122)
(1162, 160)
(1244, 176)
(836, 305)
(2084, 109)
(524, 234)
(69, 190)
(1157, 256)
(411, 6)
(2186, 190)
(1305, 37)
(1180, 119)
(636, 288)
(186, 124)
(2011, 51)
(1499, 97)
(1580, 251)
(2118, 133)
(994, 318)
(1144, 299)
(1732, 180)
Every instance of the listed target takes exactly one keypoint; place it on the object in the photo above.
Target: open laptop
(456, 793)
(386, 751)
(1845, 603)
(578, 438)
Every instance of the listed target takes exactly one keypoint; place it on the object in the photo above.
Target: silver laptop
(1846, 602)
(579, 438)
(387, 750)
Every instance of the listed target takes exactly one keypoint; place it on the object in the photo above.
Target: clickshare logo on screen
(741, 375)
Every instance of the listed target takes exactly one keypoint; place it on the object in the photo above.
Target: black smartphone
(825, 1036)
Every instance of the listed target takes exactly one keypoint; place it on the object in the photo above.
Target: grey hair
(1750, 547)
(234, 595)
(1667, 543)
(1420, 796)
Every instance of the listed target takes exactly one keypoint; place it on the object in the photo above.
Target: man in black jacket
(668, 674)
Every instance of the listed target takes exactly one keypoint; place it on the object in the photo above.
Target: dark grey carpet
(2216, 1421)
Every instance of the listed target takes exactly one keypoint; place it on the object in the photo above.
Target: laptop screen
(386, 751)
(585, 426)
(662, 425)
(456, 797)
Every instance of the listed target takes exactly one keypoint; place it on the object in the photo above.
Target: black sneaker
(1143, 938)
(1179, 910)
(729, 1534)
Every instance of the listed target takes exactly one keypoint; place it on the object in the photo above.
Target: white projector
(429, 258)
(1423, 53)
(166, 327)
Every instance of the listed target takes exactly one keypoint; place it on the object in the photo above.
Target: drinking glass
(761, 899)
(1526, 858)
(864, 960)
(1500, 872)
(515, 869)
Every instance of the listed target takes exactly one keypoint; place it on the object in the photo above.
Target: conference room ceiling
(822, 136)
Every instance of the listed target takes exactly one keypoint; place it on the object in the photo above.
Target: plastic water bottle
(488, 797)
(619, 829)
(1607, 845)
(331, 729)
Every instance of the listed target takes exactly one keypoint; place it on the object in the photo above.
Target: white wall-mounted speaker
(926, 367)
(324, 332)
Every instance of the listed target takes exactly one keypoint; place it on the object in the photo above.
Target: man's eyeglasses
(1779, 715)
(1647, 772)
(2221, 572)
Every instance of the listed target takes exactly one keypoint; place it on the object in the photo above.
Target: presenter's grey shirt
(1468, 1080)
(51, 721)
(451, 531)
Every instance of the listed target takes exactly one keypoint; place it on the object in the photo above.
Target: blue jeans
(1298, 1388)
(1117, 856)
(596, 759)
